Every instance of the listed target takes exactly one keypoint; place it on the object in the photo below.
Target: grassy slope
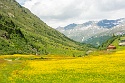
(90, 69)
(116, 43)
(108, 42)
(23, 33)
(97, 41)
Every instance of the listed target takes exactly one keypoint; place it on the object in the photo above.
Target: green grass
(116, 43)
(122, 38)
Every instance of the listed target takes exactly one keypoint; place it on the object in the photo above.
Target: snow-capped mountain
(94, 29)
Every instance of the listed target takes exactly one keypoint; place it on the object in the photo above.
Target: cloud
(62, 12)
(111, 5)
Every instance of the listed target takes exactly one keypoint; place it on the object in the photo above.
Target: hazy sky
(63, 12)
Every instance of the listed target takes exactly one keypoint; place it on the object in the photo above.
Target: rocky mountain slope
(21, 32)
(94, 32)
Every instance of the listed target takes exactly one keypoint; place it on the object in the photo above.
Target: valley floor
(89, 69)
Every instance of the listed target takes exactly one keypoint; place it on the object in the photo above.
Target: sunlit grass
(89, 69)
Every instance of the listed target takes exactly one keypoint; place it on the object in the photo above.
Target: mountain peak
(70, 26)
(95, 30)
(107, 23)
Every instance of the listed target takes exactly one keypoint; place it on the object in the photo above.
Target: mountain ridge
(94, 29)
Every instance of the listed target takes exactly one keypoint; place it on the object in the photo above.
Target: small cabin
(111, 47)
(122, 43)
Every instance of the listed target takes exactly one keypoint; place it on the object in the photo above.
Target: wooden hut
(111, 47)
(122, 43)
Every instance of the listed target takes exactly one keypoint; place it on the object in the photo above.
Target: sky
(63, 12)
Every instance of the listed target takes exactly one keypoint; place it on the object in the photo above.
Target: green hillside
(96, 41)
(21, 32)
(108, 42)
(114, 41)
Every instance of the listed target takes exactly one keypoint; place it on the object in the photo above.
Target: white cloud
(62, 12)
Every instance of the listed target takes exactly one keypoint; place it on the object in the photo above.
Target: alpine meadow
(33, 52)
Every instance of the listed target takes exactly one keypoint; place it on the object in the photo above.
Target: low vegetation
(103, 68)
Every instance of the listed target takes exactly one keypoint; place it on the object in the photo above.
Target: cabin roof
(111, 47)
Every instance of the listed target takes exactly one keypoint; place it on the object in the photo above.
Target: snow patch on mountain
(94, 29)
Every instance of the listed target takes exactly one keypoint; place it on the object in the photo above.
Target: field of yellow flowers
(105, 68)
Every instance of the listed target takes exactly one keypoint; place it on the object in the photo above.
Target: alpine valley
(94, 32)
(33, 52)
